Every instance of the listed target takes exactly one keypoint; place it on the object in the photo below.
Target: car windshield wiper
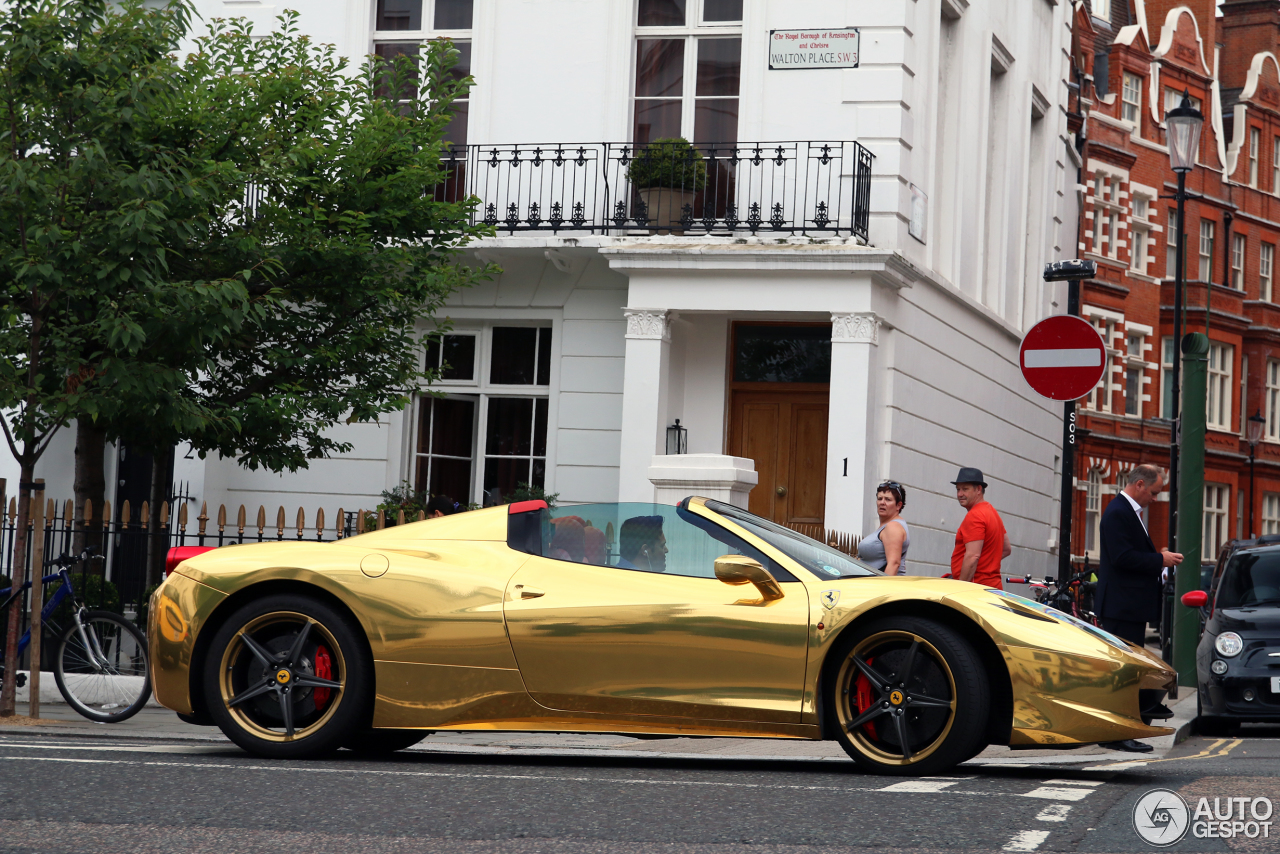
(1255, 604)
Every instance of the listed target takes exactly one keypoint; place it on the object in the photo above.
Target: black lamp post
(1253, 436)
(1183, 124)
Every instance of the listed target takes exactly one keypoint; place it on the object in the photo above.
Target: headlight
(1228, 644)
(1218, 667)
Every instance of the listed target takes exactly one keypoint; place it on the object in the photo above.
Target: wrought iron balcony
(807, 188)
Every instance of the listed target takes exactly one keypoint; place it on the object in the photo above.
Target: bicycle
(100, 664)
(1073, 596)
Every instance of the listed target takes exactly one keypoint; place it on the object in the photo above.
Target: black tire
(1212, 727)
(381, 742)
(289, 677)
(874, 705)
(112, 682)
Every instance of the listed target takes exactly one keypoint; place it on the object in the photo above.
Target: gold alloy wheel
(906, 676)
(270, 665)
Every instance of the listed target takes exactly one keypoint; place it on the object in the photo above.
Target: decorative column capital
(648, 324)
(858, 327)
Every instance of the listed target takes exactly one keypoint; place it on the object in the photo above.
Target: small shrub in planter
(669, 164)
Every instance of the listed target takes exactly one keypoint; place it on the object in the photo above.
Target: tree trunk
(158, 539)
(90, 486)
(9, 687)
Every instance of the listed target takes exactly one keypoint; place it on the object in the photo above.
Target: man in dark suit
(1129, 568)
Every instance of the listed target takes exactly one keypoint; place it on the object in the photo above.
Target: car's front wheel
(909, 696)
(288, 677)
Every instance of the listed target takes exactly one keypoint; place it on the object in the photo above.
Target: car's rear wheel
(288, 677)
(380, 742)
(909, 695)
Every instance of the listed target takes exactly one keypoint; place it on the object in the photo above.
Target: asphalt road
(102, 796)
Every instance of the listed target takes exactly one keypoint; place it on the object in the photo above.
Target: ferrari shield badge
(830, 598)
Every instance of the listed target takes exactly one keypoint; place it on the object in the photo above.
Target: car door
(611, 639)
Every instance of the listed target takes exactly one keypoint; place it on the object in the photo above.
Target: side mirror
(740, 569)
(1195, 599)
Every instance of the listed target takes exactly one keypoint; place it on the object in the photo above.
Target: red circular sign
(1062, 357)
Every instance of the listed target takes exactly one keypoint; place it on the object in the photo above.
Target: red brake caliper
(324, 669)
(863, 698)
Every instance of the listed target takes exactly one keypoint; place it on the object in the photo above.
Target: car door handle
(529, 592)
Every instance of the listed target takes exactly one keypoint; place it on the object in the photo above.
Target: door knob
(782, 491)
(530, 592)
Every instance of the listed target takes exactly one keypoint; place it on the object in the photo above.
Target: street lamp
(1253, 436)
(1182, 125)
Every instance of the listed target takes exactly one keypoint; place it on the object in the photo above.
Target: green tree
(83, 221)
(325, 212)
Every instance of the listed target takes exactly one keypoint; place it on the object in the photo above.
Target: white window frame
(1208, 231)
(1270, 513)
(1219, 401)
(1275, 165)
(427, 34)
(1108, 212)
(1255, 142)
(1271, 401)
(1166, 378)
(1102, 9)
(1266, 270)
(1131, 98)
(1238, 248)
(1101, 397)
(1136, 360)
(481, 390)
(1092, 512)
(1171, 245)
(693, 29)
(1217, 498)
(1140, 227)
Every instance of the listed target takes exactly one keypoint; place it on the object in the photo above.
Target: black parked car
(1238, 659)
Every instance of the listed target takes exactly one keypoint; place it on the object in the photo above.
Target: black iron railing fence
(805, 188)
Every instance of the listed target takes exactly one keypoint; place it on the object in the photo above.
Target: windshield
(1251, 578)
(823, 561)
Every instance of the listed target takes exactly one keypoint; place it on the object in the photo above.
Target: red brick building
(1134, 58)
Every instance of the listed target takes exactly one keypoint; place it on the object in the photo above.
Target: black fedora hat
(970, 475)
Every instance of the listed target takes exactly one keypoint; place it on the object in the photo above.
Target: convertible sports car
(698, 619)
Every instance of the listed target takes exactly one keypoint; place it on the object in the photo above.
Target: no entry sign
(1062, 357)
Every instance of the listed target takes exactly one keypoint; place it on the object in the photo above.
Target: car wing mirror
(1195, 599)
(740, 569)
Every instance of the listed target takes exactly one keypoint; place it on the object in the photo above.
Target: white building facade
(861, 323)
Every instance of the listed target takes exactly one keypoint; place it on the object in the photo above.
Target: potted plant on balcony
(667, 174)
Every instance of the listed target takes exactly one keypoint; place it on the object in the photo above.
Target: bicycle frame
(64, 590)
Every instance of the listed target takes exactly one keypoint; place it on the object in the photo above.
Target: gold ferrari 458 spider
(697, 619)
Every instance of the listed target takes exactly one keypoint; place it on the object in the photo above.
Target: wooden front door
(785, 432)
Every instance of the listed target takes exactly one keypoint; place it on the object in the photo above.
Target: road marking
(1204, 754)
(1054, 812)
(924, 786)
(1058, 793)
(132, 748)
(1073, 782)
(1027, 840)
(917, 786)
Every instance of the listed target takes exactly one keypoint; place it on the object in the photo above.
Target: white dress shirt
(1136, 508)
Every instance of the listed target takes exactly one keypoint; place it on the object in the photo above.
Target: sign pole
(1072, 272)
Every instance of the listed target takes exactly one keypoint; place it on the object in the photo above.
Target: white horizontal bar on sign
(1087, 357)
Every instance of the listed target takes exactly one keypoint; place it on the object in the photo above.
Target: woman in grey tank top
(886, 548)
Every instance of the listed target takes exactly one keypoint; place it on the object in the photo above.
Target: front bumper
(1223, 696)
(177, 611)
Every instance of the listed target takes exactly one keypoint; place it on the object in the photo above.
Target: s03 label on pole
(814, 48)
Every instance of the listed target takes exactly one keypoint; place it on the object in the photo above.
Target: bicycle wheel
(108, 681)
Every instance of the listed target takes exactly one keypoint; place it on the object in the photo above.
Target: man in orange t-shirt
(981, 541)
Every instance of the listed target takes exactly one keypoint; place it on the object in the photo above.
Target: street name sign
(1062, 357)
(816, 48)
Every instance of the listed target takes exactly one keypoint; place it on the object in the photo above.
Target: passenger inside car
(642, 544)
